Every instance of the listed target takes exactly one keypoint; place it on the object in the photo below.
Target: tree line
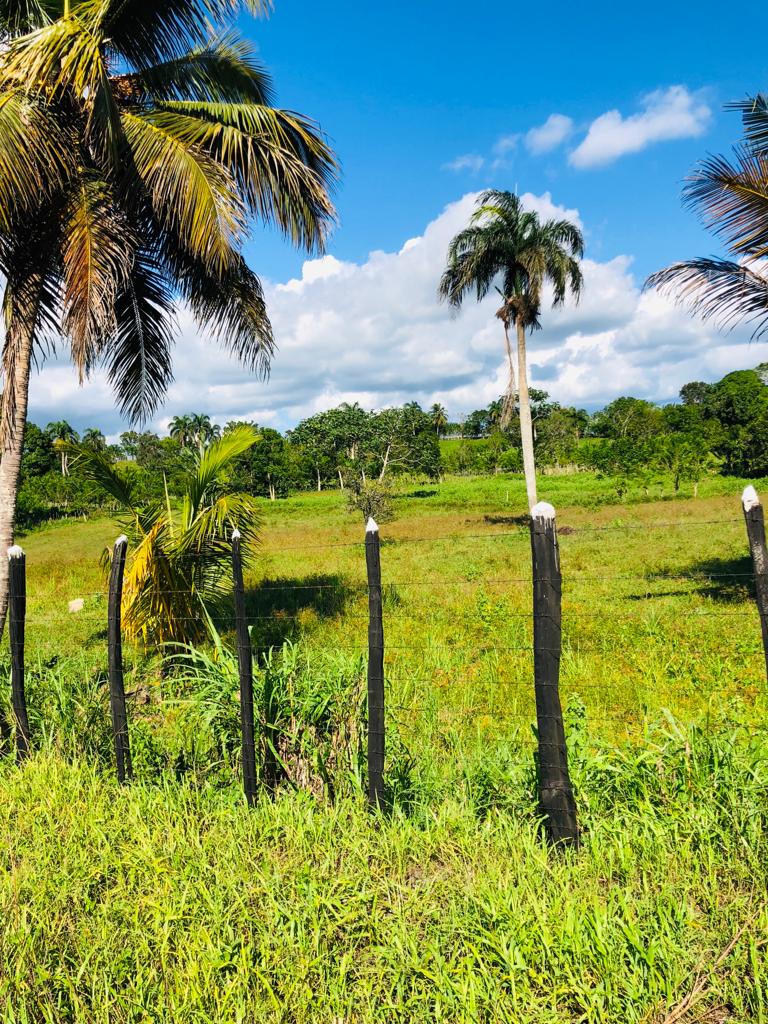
(714, 427)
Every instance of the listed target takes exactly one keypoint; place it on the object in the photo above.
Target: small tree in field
(180, 559)
(507, 244)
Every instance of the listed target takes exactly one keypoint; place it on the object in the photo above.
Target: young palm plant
(137, 145)
(731, 197)
(507, 244)
(179, 557)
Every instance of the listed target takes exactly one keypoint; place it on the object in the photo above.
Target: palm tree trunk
(526, 423)
(15, 396)
(508, 405)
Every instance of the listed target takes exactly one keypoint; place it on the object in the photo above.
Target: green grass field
(170, 901)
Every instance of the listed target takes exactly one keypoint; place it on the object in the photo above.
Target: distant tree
(202, 430)
(180, 428)
(439, 418)
(508, 244)
(476, 424)
(558, 437)
(685, 458)
(267, 465)
(739, 402)
(631, 418)
(93, 438)
(61, 432)
(695, 393)
(38, 456)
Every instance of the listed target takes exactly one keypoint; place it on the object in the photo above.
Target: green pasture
(170, 901)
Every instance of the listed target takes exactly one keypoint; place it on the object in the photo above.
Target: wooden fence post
(115, 648)
(17, 612)
(375, 667)
(555, 794)
(245, 666)
(755, 520)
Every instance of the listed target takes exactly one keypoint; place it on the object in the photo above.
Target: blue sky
(596, 112)
(405, 88)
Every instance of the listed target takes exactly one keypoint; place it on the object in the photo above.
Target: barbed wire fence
(539, 639)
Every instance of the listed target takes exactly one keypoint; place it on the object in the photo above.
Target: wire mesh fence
(460, 632)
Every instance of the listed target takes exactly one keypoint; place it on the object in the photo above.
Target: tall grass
(168, 902)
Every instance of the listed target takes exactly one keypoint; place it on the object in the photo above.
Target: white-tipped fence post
(17, 612)
(117, 702)
(375, 667)
(755, 520)
(245, 666)
(555, 794)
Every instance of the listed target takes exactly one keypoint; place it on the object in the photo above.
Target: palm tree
(202, 429)
(61, 433)
(731, 196)
(137, 145)
(496, 414)
(180, 428)
(508, 244)
(180, 560)
(93, 438)
(439, 417)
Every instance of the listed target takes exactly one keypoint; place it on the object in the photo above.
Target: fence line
(547, 643)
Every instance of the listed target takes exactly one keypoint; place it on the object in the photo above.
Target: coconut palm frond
(35, 159)
(232, 309)
(224, 71)
(192, 195)
(723, 291)
(281, 163)
(731, 196)
(138, 357)
(97, 262)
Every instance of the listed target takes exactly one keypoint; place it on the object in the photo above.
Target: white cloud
(467, 162)
(673, 113)
(549, 135)
(505, 144)
(374, 332)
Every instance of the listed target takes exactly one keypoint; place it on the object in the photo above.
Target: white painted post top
(372, 526)
(15, 552)
(543, 510)
(235, 535)
(122, 539)
(749, 498)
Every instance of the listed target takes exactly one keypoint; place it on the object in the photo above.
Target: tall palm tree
(202, 429)
(731, 196)
(180, 429)
(137, 145)
(507, 244)
(179, 559)
(61, 432)
(439, 418)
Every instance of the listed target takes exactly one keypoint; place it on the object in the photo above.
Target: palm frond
(191, 194)
(98, 467)
(18, 17)
(231, 307)
(35, 158)
(754, 116)
(281, 163)
(732, 200)
(147, 32)
(215, 460)
(224, 71)
(720, 290)
(138, 356)
(97, 260)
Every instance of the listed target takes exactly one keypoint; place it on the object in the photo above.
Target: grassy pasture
(167, 901)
